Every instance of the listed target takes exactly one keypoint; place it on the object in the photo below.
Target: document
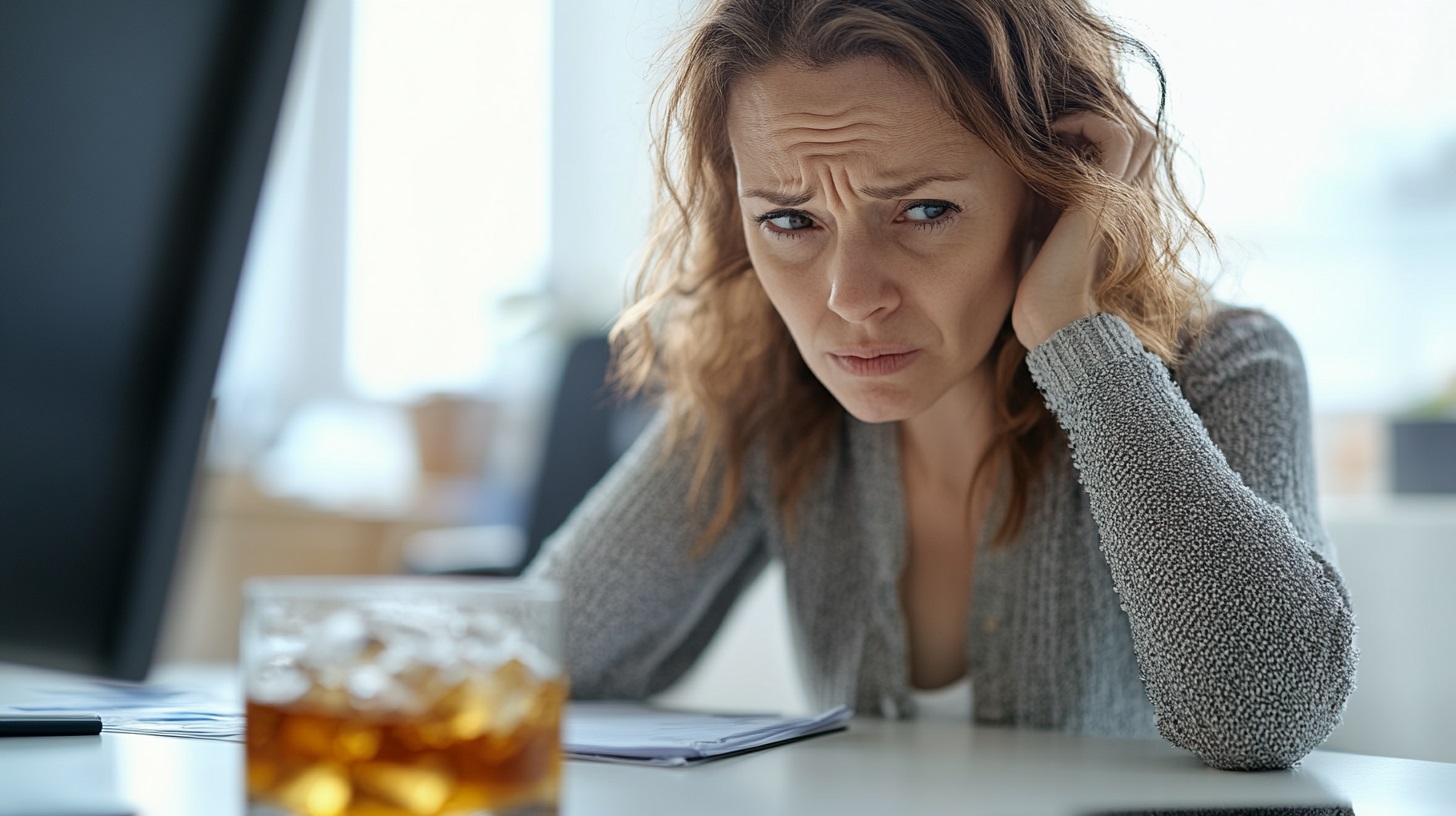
(146, 709)
(640, 734)
(634, 733)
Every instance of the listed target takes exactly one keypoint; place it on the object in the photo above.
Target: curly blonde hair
(703, 332)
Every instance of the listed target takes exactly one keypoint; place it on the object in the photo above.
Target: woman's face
(881, 230)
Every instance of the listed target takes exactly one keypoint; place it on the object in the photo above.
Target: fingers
(1144, 151)
(1110, 139)
(1121, 152)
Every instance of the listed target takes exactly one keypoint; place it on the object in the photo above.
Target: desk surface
(876, 767)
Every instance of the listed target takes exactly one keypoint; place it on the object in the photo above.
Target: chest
(942, 538)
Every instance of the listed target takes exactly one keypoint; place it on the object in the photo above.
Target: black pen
(49, 725)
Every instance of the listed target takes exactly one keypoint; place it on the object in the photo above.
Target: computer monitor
(133, 139)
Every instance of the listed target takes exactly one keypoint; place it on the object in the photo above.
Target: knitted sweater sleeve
(639, 603)
(1205, 500)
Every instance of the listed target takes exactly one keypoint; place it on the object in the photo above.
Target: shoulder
(1238, 343)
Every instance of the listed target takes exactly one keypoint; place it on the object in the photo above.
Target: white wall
(1399, 561)
(601, 179)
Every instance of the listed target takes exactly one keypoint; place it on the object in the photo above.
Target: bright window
(450, 197)
(1326, 133)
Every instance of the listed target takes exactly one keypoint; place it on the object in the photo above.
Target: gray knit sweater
(1172, 575)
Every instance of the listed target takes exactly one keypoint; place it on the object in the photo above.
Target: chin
(876, 409)
(878, 417)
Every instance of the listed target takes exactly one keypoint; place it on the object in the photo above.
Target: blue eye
(924, 211)
(786, 220)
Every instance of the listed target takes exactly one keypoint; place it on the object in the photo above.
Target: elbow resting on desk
(1275, 718)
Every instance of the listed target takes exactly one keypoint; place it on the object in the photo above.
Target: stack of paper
(147, 709)
(640, 734)
(603, 731)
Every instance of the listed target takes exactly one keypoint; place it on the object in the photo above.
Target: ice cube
(278, 682)
(321, 790)
(339, 639)
(490, 627)
(356, 741)
(487, 652)
(419, 789)
(509, 693)
(308, 735)
(372, 688)
(275, 645)
(542, 665)
(366, 683)
(462, 713)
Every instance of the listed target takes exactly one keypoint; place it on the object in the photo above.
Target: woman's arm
(638, 607)
(1240, 620)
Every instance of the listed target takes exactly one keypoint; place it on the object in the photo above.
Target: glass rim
(384, 587)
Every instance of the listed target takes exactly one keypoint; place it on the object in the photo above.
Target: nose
(861, 287)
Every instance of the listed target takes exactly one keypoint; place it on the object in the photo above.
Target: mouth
(873, 361)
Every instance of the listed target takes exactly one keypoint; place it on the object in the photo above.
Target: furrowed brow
(906, 188)
(781, 198)
(786, 198)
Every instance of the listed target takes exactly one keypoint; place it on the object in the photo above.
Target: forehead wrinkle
(791, 175)
(798, 117)
(882, 184)
(860, 138)
(908, 184)
(826, 184)
(775, 178)
(789, 132)
(800, 145)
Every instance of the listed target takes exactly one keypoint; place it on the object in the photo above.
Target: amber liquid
(471, 752)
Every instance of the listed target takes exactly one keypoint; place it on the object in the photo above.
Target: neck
(943, 444)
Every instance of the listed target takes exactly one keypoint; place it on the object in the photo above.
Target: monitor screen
(133, 140)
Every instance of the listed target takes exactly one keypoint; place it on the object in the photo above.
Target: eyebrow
(784, 198)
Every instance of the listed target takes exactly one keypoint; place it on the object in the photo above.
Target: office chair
(590, 427)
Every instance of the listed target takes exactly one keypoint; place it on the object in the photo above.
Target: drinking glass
(402, 696)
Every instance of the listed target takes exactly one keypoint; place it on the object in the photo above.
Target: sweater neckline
(876, 446)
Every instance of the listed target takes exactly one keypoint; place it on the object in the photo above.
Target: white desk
(875, 768)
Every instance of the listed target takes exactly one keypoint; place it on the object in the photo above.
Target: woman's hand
(1056, 288)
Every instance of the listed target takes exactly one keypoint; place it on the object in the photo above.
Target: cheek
(793, 308)
(994, 263)
(973, 280)
(791, 290)
(970, 300)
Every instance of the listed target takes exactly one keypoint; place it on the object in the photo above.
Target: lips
(873, 361)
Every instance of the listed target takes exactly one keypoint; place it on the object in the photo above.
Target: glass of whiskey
(403, 696)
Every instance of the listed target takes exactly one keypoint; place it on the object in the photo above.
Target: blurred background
(454, 205)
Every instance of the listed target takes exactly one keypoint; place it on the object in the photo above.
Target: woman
(918, 309)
